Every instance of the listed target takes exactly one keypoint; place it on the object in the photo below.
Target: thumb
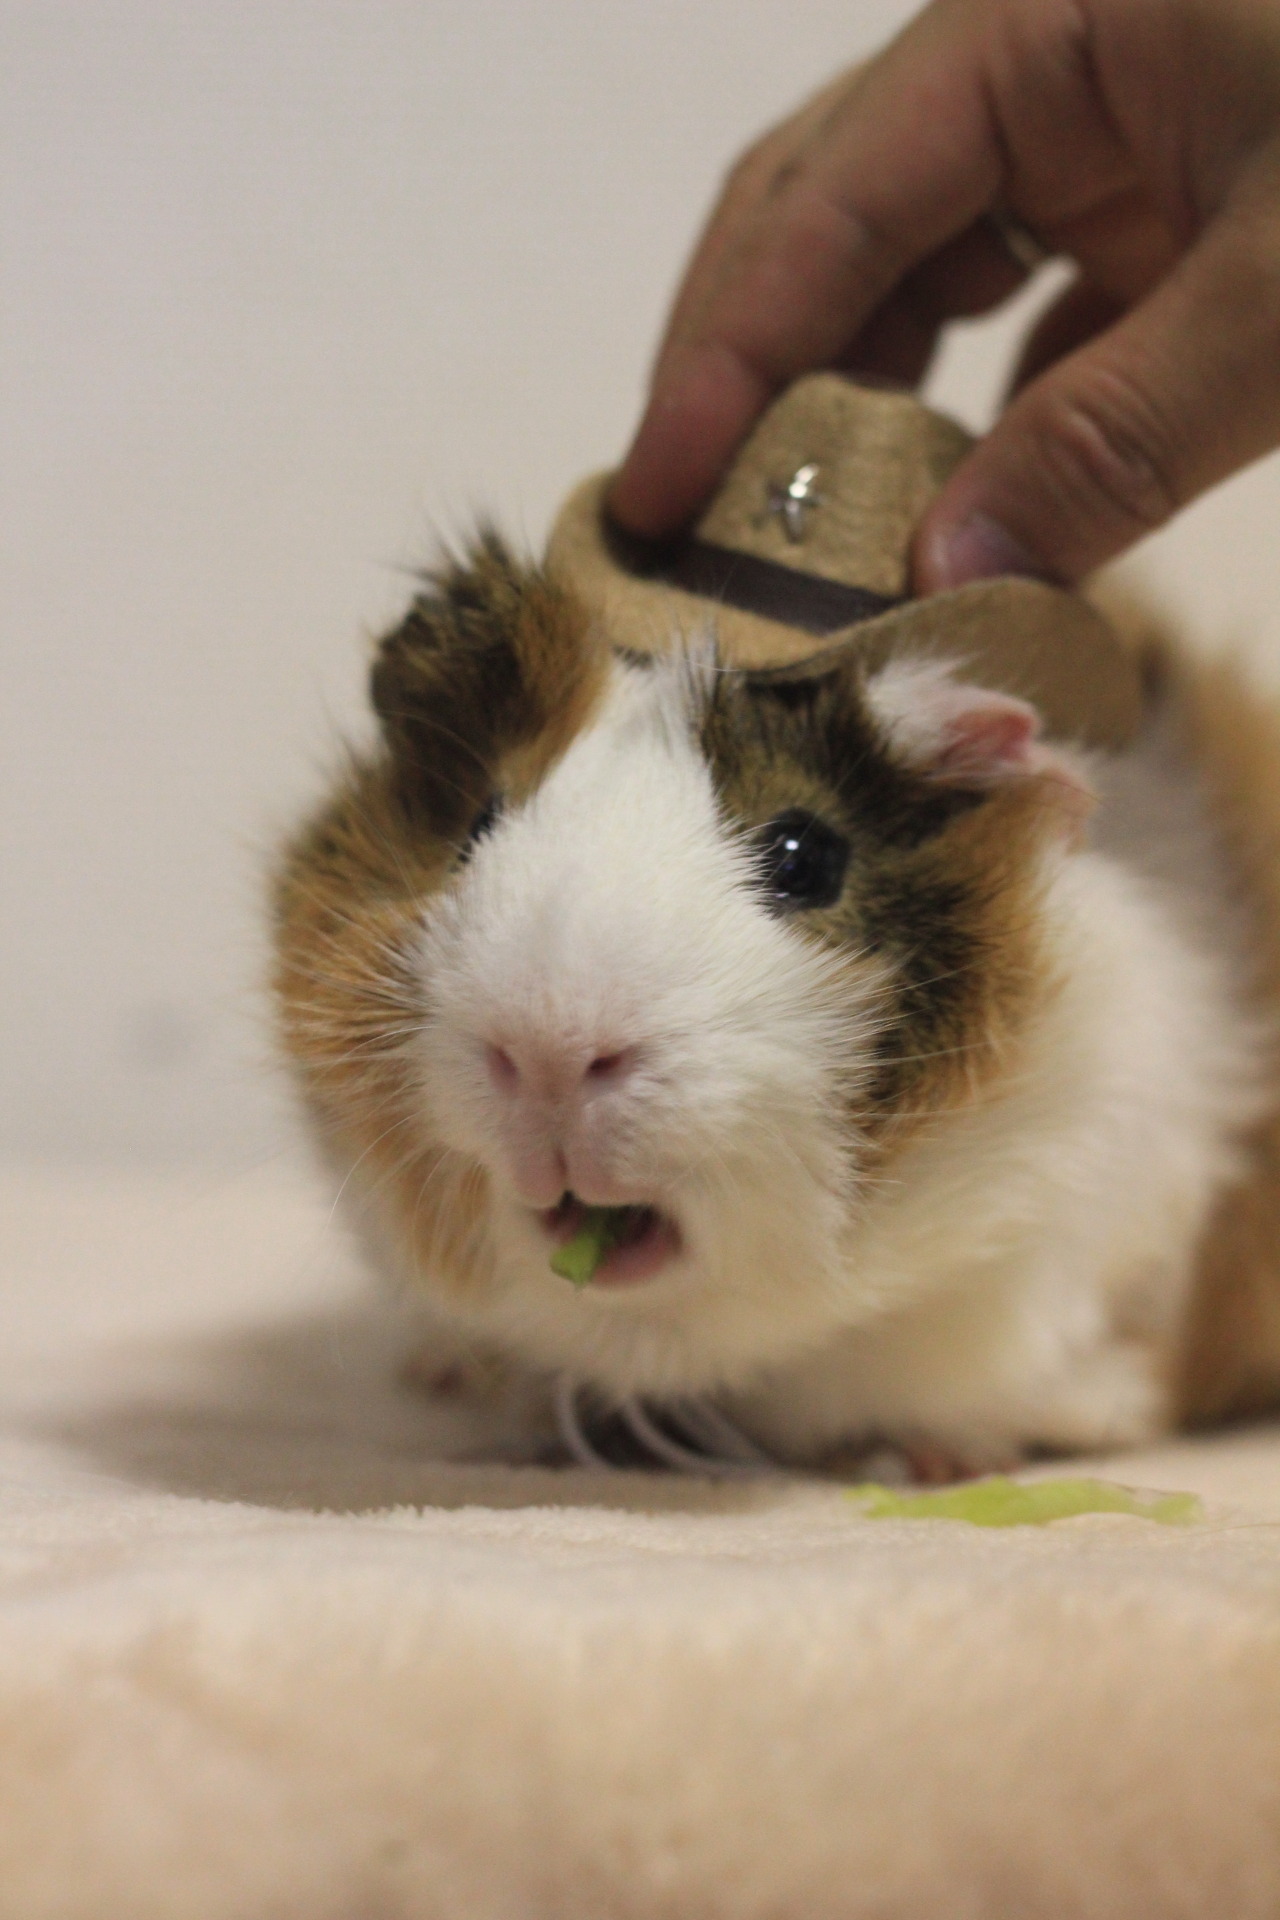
(1112, 440)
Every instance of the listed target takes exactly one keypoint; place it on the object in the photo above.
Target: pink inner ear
(986, 734)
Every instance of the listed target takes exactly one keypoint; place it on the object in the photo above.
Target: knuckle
(757, 163)
(875, 242)
(740, 171)
(1106, 445)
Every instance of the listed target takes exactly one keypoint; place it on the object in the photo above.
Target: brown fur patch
(484, 683)
(480, 689)
(942, 883)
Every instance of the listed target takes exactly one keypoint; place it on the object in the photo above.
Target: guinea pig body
(921, 1053)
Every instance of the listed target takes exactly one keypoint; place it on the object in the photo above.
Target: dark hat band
(731, 578)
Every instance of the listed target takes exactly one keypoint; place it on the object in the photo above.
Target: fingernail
(980, 549)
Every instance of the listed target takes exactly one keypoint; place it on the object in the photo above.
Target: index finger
(907, 158)
(759, 171)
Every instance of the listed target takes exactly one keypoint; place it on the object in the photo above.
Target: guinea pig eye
(802, 861)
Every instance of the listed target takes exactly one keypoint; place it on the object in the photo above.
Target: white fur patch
(615, 912)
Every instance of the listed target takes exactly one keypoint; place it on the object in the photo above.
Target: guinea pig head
(704, 944)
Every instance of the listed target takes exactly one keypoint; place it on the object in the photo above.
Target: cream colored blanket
(265, 1655)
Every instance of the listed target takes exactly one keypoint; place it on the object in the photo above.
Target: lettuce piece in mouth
(601, 1230)
(999, 1502)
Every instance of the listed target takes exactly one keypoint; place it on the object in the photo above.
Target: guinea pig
(927, 1063)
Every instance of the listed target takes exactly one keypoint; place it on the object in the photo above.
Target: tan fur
(345, 908)
(348, 900)
(563, 664)
(996, 854)
(1227, 1361)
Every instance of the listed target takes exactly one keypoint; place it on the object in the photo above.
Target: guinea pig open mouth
(608, 1245)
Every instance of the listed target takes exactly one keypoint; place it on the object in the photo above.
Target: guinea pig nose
(555, 1072)
(612, 1066)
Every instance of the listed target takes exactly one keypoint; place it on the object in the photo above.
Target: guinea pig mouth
(635, 1242)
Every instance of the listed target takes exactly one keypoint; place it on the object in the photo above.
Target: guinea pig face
(619, 1012)
(659, 937)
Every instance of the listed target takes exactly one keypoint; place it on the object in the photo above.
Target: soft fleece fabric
(264, 1656)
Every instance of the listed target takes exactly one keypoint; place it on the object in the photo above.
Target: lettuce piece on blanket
(999, 1502)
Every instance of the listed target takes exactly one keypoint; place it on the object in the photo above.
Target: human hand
(1139, 138)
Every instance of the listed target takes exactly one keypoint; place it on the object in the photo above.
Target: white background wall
(285, 286)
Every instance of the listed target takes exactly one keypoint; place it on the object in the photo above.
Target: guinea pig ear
(482, 684)
(968, 736)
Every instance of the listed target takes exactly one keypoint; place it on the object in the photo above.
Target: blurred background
(290, 288)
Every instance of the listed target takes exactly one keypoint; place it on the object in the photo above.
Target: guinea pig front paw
(935, 1463)
(476, 1403)
(483, 1375)
(919, 1460)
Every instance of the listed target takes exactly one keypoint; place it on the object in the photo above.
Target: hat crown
(833, 481)
(803, 559)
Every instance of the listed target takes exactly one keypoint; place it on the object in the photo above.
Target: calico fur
(984, 1153)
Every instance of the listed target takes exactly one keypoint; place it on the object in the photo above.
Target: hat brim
(1025, 637)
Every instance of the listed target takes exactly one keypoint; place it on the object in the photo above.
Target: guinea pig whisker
(376, 986)
(711, 1155)
(763, 1130)
(348, 1041)
(330, 912)
(435, 1172)
(413, 883)
(344, 1044)
(447, 1164)
(386, 966)
(937, 1053)
(377, 1041)
(396, 1169)
(362, 1157)
(373, 1003)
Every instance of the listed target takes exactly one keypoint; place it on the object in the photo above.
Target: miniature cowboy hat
(802, 559)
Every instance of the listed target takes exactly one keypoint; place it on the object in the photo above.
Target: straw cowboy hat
(802, 557)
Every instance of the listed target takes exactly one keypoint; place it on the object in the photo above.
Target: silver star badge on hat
(794, 500)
